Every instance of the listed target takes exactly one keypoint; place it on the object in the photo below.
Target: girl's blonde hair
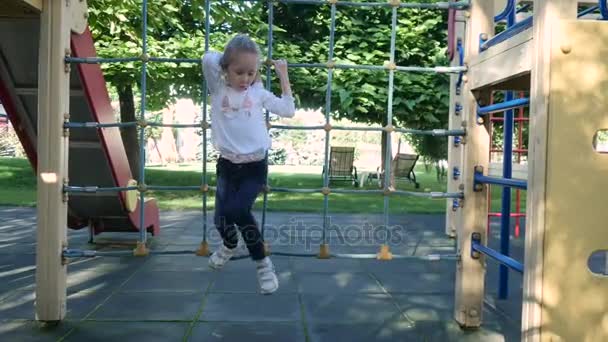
(238, 44)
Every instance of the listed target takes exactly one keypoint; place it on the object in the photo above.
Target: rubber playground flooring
(176, 297)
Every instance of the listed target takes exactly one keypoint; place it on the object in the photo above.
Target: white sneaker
(267, 278)
(220, 257)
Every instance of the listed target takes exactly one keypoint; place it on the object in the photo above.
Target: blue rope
(142, 148)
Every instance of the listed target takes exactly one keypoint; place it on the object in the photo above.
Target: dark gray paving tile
(417, 282)
(340, 282)
(242, 307)
(408, 266)
(176, 263)
(17, 248)
(234, 282)
(169, 281)
(353, 308)
(20, 305)
(450, 331)
(16, 273)
(127, 331)
(163, 306)
(326, 265)
(29, 331)
(396, 329)
(101, 274)
(247, 265)
(250, 332)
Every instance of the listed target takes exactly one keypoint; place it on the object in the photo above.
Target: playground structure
(552, 60)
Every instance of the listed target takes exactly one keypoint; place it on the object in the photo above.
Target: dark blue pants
(238, 185)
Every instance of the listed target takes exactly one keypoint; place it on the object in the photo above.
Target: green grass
(18, 187)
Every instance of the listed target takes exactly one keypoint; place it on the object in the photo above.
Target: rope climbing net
(389, 66)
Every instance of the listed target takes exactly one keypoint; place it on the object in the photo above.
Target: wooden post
(470, 273)
(548, 17)
(455, 151)
(53, 107)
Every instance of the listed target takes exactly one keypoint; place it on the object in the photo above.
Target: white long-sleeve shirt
(239, 130)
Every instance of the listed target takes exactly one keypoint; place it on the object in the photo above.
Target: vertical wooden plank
(53, 104)
(575, 300)
(455, 122)
(547, 15)
(470, 273)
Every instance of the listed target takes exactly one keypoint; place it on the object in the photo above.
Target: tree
(301, 36)
(117, 29)
(363, 37)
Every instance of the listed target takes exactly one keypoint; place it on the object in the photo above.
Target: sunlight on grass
(18, 187)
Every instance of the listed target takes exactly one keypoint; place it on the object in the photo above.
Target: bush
(10, 146)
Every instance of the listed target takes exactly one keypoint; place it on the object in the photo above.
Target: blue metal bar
(429, 257)
(460, 49)
(476, 246)
(268, 86)
(307, 65)
(420, 5)
(160, 124)
(332, 32)
(603, 9)
(98, 60)
(508, 33)
(142, 117)
(204, 105)
(71, 253)
(388, 156)
(523, 8)
(433, 132)
(498, 107)
(174, 187)
(98, 124)
(431, 195)
(587, 11)
(509, 8)
(175, 60)
(436, 69)
(96, 189)
(505, 221)
(514, 183)
(505, 218)
(303, 128)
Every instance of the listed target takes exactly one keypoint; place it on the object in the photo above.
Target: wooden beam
(574, 299)
(30, 91)
(20, 8)
(53, 104)
(547, 15)
(470, 272)
(507, 61)
(455, 152)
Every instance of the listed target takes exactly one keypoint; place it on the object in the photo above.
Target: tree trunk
(129, 134)
(384, 146)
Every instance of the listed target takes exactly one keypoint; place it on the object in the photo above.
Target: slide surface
(97, 157)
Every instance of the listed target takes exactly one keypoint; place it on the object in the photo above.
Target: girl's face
(242, 70)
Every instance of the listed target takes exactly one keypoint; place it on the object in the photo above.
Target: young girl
(240, 135)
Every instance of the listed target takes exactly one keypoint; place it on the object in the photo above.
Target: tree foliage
(300, 35)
